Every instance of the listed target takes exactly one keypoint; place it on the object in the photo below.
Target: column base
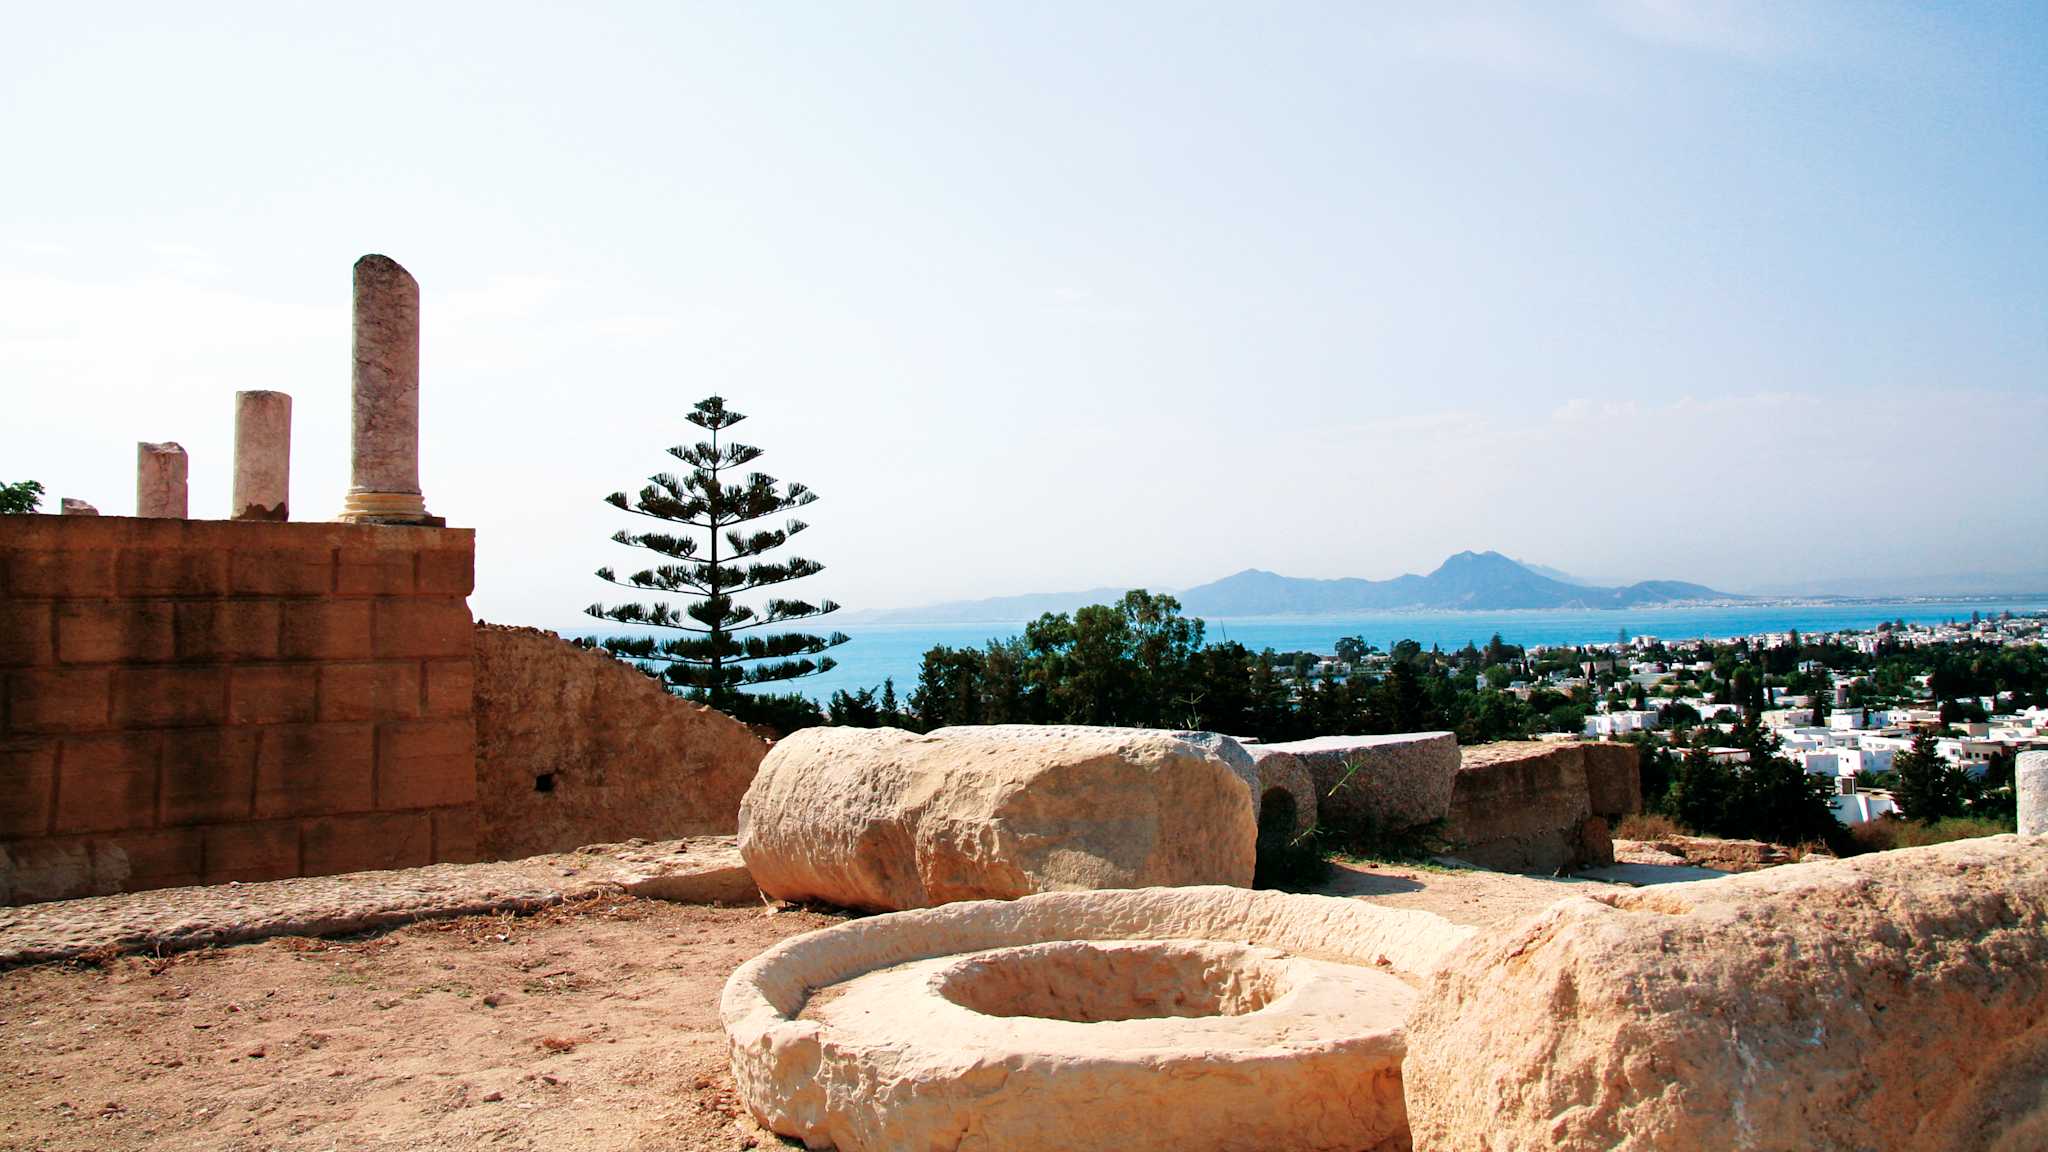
(363, 507)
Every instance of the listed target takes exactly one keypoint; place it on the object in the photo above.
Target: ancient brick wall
(202, 701)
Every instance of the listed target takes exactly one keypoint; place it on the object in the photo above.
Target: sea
(895, 651)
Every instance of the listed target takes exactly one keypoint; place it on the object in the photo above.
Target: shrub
(1648, 826)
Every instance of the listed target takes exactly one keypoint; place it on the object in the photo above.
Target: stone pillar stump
(2031, 783)
(263, 456)
(160, 473)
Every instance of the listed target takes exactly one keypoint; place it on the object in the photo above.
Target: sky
(1060, 296)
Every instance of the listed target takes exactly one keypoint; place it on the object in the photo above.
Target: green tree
(1929, 787)
(717, 652)
(22, 496)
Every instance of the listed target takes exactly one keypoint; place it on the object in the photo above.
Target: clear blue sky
(1065, 295)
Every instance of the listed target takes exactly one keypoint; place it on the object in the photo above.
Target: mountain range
(1474, 581)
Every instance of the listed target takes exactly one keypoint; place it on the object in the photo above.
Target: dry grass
(1885, 833)
(1648, 826)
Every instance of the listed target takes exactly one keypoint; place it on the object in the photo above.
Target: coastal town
(1843, 705)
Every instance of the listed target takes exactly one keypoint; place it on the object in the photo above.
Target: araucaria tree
(716, 558)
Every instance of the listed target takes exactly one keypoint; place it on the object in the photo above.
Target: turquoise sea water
(896, 650)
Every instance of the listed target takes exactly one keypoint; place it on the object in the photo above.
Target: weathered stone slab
(2032, 784)
(882, 819)
(1895, 1000)
(706, 870)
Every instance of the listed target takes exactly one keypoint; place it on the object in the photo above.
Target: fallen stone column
(263, 456)
(385, 465)
(160, 473)
(881, 819)
(2032, 785)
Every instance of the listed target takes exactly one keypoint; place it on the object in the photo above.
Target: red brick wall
(189, 702)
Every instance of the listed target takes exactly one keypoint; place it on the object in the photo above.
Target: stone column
(385, 484)
(160, 481)
(263, 456)
(73, 506)
(2032, 784)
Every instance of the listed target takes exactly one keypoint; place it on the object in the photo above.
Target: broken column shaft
(385, 483)
(160, 471)
(263, 456)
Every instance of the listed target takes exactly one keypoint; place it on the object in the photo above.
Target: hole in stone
(545, 782)
(1092, 983)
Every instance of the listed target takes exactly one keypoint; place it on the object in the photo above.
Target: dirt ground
(589, 1026)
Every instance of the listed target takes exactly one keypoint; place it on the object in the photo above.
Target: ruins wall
(202, 701)
(575, 748)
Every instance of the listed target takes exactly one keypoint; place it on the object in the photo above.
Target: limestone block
(1157, 1019)
(1614, 779)
(1379, 782)
(2032, 783)
(1522, 806)
(1895, 1000)
(883, 819)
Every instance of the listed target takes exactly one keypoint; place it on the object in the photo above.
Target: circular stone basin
(1159, 1018)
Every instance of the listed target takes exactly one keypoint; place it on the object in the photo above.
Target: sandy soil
(588, 1026)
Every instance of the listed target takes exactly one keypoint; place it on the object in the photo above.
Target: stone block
(326, 630)
(152, 571)
(1521, 806)
(116, 631)
(426, 763)
(35, 575)
(365, 571)
(1614, 780)
(132, 861)
(267, 851)
(25, 634)
(882, 819)
(209, 775)
(169, 697)
(297, 572)
(228, 629)
(365, 843)
(421, 628)
(1367, 784)
(315, 769)
(387, 690)
(455, 836)
(450, 688)
(28, 782)
(273, 694)
(1894, 1000)
(447, 572)
(57, 699)
(107, 782)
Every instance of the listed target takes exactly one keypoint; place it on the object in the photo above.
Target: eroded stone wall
(203, 701)
(574, 748)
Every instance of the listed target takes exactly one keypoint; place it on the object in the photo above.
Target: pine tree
(710, 661)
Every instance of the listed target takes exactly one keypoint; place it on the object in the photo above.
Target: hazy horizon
(1060, 298)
